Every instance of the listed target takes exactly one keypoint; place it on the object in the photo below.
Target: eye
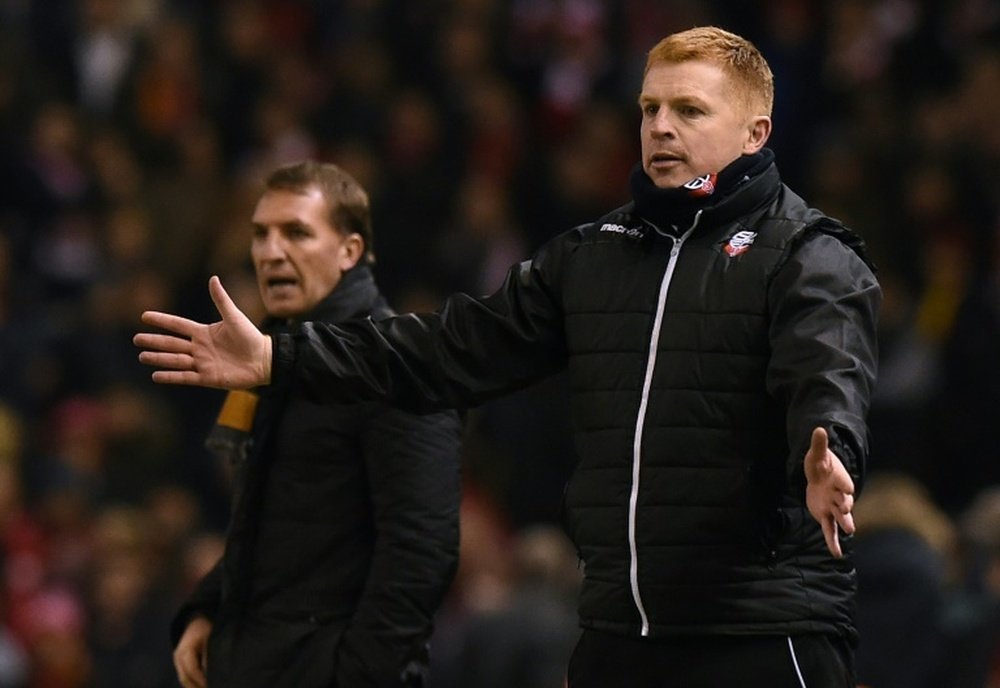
(297, 232)
(690, 111)
(650, 109)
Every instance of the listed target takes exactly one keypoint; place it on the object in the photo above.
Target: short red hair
(747, 69)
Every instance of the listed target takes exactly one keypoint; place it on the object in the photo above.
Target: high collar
(746, 183)
(355, 295)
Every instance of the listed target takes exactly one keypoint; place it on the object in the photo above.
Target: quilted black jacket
(699, 366)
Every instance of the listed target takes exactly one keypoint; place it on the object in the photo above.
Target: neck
(675, 208)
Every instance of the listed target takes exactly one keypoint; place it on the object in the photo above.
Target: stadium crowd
(133, 137)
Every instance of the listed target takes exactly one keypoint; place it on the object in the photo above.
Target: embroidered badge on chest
(739, 243)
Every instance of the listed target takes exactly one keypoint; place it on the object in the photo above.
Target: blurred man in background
(344, 530)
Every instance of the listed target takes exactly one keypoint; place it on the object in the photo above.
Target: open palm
(229, 354)
(829, 491)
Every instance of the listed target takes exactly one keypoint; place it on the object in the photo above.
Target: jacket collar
(354, 296)
(746, 184)
(757, 192)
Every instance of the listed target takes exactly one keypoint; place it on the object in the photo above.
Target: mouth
(664, 159)
(280, 282)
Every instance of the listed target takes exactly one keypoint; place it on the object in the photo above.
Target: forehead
(691, 78)
(284, 205)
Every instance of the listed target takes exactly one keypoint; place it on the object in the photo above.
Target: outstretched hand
(229, 354)
(829, 491)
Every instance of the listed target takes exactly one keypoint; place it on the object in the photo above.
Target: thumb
(820, 443)
(223, 303)
(817, 462)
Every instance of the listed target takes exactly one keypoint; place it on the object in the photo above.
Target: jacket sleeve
(824, 303)
(203, 601)
(413, 469)
(469, 351)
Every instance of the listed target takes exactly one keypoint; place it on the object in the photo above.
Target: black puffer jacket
(699, 366)
(343, 537)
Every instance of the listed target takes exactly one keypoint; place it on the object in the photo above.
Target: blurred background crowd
(133, 134)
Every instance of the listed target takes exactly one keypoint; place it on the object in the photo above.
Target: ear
(758, 131)
(351, 251)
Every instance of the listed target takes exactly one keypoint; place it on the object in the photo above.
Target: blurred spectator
(973, 623)
(58, 652)
(519, 626)
(905, 553)
(128, 620)
(585, 173)
(15, 528)
(483, 240)
(792, 40)
(105, 50)
(74, 455)
(167, 92)
(909, 381)
(960, 430)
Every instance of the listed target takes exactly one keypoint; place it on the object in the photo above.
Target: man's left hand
(829, 491)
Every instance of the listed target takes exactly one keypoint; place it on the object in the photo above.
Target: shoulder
(797, 224)
(552, 258)
(621, 224)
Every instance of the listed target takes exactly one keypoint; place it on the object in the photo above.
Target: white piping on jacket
(640, 421)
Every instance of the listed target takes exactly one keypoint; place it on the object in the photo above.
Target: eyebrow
(675, 100)
(291, 224)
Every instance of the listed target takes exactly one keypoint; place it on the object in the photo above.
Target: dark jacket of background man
(343, 536)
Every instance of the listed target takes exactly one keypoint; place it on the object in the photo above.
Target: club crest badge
(739, 243)
(702, 186)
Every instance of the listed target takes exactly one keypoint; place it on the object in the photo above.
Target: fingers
(227, 309)
(159, 359)
(189, 680)
(837, 517)
(844, 502)
(162, 342)
(846, 522)
(841, 511)
(843, 483)
(171, 323)
(177, 367)
(178, 377)
(831, 537)
(187, 662)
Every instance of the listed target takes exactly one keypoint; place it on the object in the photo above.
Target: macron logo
(633, 232)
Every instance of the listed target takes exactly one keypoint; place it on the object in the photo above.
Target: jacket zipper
(640, 420)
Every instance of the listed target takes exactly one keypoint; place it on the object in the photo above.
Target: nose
(662, 125)
(269, 246)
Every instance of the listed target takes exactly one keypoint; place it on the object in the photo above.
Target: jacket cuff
(204, 601)
(183, 617)
(282, 358)
(843, 444)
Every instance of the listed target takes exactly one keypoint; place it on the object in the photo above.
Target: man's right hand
(191, 653)
(229, 354)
